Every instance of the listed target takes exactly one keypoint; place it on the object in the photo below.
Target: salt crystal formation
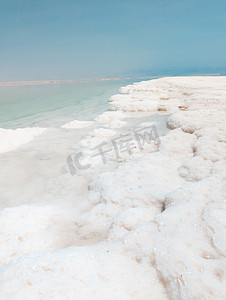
(153, 228)
(77, 124)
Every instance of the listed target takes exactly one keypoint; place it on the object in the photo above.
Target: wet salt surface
(37, 171)
(150, 227)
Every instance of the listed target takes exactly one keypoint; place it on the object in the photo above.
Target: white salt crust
(12, 139)
(153, 228)
(77, 124)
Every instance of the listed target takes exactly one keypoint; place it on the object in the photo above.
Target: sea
(52, 105)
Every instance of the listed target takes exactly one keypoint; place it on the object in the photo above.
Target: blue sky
(46, 39)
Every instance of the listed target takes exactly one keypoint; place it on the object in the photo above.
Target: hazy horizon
(61, 40)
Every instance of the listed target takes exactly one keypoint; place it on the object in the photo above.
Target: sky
(72, 39)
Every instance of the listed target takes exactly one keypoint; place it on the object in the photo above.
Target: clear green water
(52, 105)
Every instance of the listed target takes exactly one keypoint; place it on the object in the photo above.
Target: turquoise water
(52, 105)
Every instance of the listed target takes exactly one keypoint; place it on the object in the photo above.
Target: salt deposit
(12, 139)
(151, 228)
(77, 124)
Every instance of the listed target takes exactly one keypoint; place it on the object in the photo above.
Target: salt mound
(109, 116)
(133, 185)
(189, 247)
(27, 228)
(112, 119)
(152, 228)
(129, 103)
(97, 136)
(96, 272)
(190, 121)
(77, 124)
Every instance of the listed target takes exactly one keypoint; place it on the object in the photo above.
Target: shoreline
(160, 215)
(38, 82)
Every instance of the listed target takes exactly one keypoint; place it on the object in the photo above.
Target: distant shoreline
(33, 82)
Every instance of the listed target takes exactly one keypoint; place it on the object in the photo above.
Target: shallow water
(149, 227)
(37, 172)
(50, 105)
